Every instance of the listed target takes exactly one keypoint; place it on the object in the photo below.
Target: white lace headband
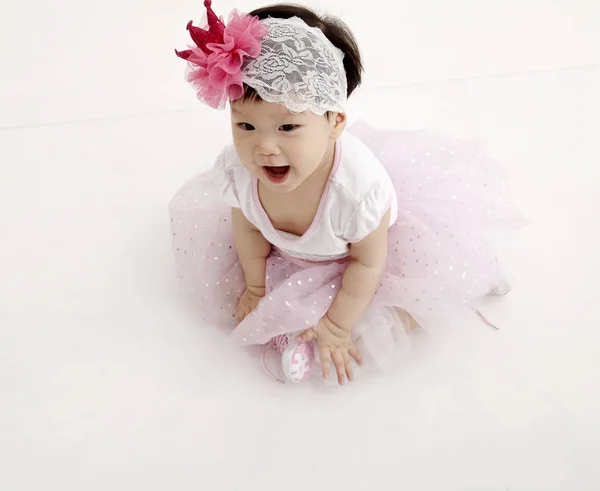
(284, 60)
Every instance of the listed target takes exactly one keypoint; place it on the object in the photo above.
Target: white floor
(108, 382)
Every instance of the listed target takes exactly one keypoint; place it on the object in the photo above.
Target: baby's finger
(325, 362)
(348, 364)
(307, 335)
(356, 355)
(311, 335)
(340, 367)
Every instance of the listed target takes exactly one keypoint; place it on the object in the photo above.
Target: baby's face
(280, 148)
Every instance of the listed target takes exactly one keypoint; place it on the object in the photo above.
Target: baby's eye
(246, 126)
(288, 127)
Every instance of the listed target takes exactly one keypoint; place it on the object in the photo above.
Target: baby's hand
(335, 344)
(248, 302)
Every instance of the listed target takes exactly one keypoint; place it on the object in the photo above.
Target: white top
(359, 193)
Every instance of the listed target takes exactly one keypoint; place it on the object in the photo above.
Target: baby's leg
(408, 321)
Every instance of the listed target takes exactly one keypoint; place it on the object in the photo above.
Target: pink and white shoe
(297, 359)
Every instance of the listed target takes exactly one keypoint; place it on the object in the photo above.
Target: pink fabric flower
(216, 69)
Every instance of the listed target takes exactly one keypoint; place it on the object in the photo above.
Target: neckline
(337, 157)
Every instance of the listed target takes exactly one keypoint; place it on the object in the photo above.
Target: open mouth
(277, 174)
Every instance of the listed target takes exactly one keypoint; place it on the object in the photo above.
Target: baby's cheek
(248, 162)
(303, 170)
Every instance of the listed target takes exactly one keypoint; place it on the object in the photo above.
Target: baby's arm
(253, 250)
(359, 284)
(362, 277)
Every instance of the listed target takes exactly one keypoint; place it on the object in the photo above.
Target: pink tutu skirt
(451, 197)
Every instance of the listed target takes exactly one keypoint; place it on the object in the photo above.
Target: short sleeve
(223, 181)
(370, 210)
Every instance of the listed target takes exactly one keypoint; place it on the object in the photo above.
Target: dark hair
(334, 29)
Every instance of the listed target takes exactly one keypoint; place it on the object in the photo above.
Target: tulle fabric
(451, 198)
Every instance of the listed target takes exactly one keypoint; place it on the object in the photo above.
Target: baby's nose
(267, 146)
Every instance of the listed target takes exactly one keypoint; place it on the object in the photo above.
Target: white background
(107, 380)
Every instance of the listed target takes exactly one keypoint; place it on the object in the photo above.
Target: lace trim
(298, 67)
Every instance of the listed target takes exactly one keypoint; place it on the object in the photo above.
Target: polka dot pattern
(450, 195)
